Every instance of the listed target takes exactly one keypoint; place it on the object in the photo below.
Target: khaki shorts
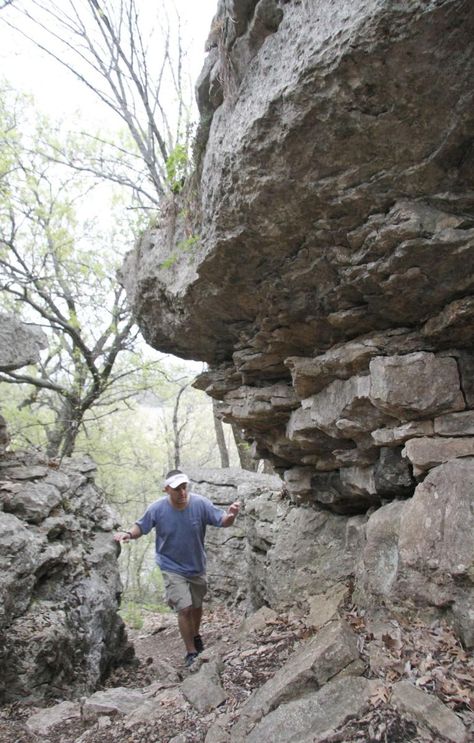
(182, 592)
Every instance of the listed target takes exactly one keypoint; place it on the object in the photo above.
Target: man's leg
(197, 616)
(178, 595)
(185, 595)
(186, 624)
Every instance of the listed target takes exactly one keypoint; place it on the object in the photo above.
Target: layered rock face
(324, 271)
(277, 554)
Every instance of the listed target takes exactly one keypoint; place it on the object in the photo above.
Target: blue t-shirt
(180, 535)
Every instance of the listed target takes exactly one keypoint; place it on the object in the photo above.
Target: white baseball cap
(176, 480)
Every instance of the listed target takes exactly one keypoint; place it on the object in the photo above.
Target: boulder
(204, 689)
(20, 344)
(427, 452)
(416, 385)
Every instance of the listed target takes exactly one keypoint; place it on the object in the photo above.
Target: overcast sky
(56, 90)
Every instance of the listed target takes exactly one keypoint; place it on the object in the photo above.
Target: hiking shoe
(189, 659)
(198, 644)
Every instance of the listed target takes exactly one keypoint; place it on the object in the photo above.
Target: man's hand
(127, 536)
(122, 536)
(232, 512)
(234, 508)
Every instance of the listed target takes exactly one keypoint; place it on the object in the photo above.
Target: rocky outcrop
(277, 554)
(323, 270)
(59, 581)
(414, 555)
(20, 345)
(420, 552)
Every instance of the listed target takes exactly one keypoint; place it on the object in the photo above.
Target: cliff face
(323, 268)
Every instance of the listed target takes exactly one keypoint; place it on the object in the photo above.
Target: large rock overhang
(335, 193)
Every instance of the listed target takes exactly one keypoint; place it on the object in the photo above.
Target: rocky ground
(430, 657)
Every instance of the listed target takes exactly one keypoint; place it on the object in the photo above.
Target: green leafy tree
(59, 271)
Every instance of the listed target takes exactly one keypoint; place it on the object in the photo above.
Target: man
(180, 522)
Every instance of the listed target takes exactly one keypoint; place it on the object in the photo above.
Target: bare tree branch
(103, 46)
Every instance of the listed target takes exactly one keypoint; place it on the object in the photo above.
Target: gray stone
(415, 385)
(4, 435)
(19, 554)
(465, 360)
(20, 344)
(429, 711)
(323, 608)
(42, 722)
(116, 701)
(217, 732)
(59, 582)
(399, 434)
(258, 620)
(316, 715)
(333, 649)
(419, 553)
(204, 689)
(455, 424)
(32, 502)
(154, 701)
(428, 452)
(346, 400)
(311, 375)
(378, 569)
(350, 490)
(436, 525)
(393, 477)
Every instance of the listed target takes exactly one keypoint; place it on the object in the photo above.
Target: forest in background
(73, 200)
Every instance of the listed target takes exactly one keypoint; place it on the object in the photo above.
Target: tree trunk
(62, 436)
(177, 430)
(220, 438)
(247, 462)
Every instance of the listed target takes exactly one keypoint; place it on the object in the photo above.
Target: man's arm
(125, 536)
(231, 514)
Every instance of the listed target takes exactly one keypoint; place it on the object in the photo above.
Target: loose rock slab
(316, 715)
(429, 711)
(331, 651)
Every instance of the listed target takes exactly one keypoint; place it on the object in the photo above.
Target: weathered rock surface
(59, 581)
(419, 553)
(429, 711)
(20, 344)
(316, 715)
(330, 288)
(204, 689)
(277, 554)
(311, 666)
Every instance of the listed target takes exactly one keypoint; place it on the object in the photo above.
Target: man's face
(179, 495)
